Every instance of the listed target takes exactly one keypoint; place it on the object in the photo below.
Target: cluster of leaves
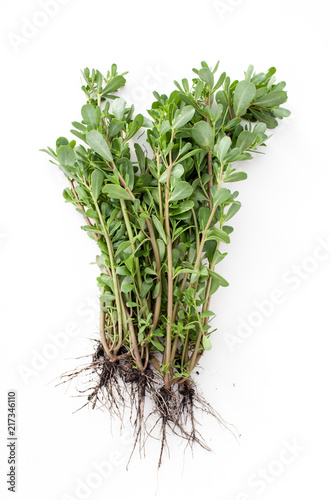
(159, 221)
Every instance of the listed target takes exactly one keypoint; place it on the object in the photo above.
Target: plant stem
(134, 342)
(102, 331)
(117, 294)
(87, 220)
(193, 359)
(136, 260)
(161, 216)
(209, 159)
(154, 246)
(167, 357)
(202, 243)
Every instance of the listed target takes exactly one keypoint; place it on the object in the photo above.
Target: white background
(273, 384)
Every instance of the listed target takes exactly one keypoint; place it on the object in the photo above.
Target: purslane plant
(160, 221)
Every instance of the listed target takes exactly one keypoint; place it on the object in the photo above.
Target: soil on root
(118, 385)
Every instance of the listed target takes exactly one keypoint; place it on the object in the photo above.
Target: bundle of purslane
(160, 221)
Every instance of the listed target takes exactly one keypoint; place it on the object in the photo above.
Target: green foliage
(98, 143)
(243, 96)
(203, 134)
(159, 220)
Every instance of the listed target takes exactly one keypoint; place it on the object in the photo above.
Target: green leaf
(149, 270)
(218, 112)
(135, 126)
(97, 142)
(107, 280)
(260, 128)
(156, 291)
(220, 81)
(159, 228)
(115, 83)
(107, 297)
(221, 196)
(127, 287)
(207, 76)
(232, 124)
(206, 343)
(145, 288)
(118, 108)
(89, 115)
(158, 345)
(176, 172)
(184, 117)
(181, 191)
(66, 156)
(161, 248)
(243, 96)
(115, 127)
(78, 134)
(199, 89)
(282, 112)
(249, 72)
(274, 98)
(233, 155)
(233, 209)
(217, 234)
(264, 117)
(91, 229)
(260, 77)
(219, 279)
(116, 192)
(61, 141)
(203, 216)
(207, 314)
(97, 178)
(245, 140)
(140, 157)
(122, 247)
(185, 206)
(79, 126)
(222, 147)
(236, 176)
(165, 127)
(203, 134)
(129, 263)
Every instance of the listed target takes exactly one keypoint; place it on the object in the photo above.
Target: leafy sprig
(161, 222)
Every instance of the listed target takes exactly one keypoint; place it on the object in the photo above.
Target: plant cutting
(161, 221)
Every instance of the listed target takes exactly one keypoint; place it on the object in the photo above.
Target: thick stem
(202, 243)
(113, 272)
(167, 357)
(161, 216)
(133, 339)
(155, 249)
(193, 360)
(136, 260)
(154, 246)
(102, 331)
(209, 159)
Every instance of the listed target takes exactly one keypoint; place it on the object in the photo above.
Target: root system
(118, 385)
